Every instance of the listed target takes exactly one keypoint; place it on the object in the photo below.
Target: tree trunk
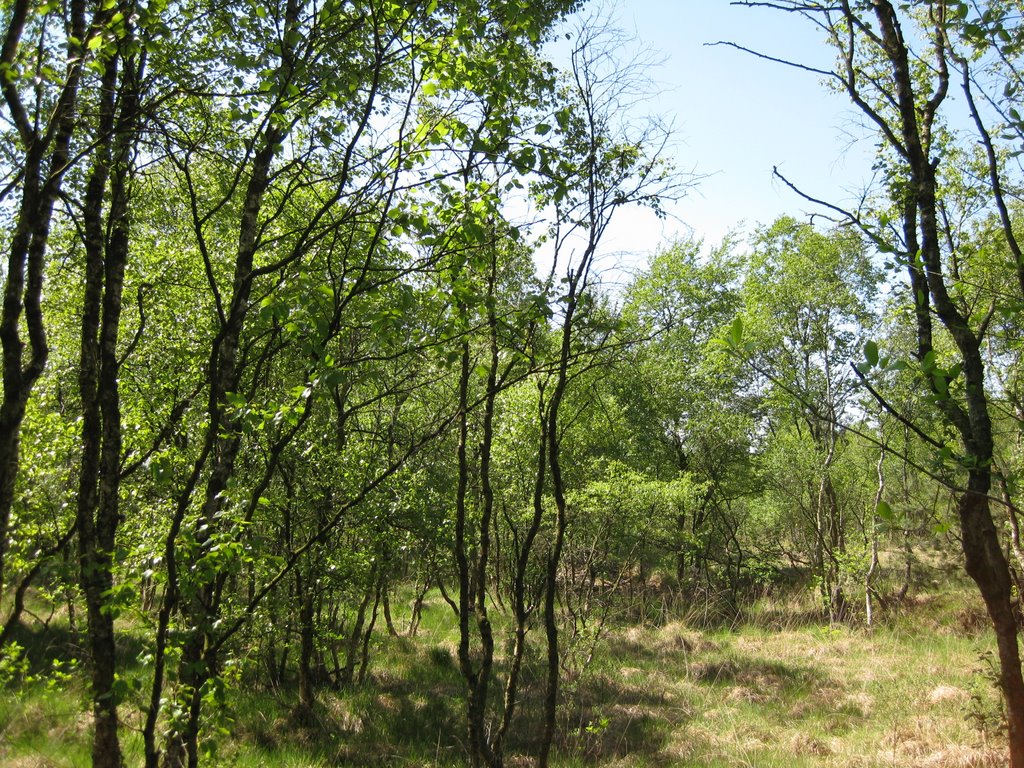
(364, 658)
(307, 696)
(987, 566)
(388, 620)
(98, 512)
(476, 686)
(522, 609)
(355, 636)
(872, 533)
(42, 178)
(417, 609)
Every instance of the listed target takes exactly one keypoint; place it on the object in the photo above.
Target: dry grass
(790, 693)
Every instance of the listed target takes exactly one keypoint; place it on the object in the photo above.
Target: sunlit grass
(823, 696)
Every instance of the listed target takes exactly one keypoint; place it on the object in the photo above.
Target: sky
(736, 116)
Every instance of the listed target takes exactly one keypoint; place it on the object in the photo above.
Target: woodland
(324, 439)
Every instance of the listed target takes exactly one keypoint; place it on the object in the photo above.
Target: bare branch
(786, 62)
(880, 399)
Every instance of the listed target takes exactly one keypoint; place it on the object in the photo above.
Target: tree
(41, 90)
(593, 166)
(609, 164)
(106, 236)
(337, 79)
(904, 92)
(697, 407)
(807, 311)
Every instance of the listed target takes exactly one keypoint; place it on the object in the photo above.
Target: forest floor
(777, 689)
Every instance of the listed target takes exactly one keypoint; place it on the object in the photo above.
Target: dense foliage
(303, 319)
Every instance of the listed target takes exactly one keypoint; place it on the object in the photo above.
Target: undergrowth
(773, 687)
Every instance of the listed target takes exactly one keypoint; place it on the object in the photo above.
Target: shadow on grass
(658, 681)
(408, 710)
(411, 710)
(45, 646)
(608, 717)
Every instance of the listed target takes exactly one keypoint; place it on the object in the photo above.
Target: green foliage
(324, 216)
(14, 665)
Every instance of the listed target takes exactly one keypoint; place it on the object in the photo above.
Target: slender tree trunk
(98, 512)
(1012, 518)
(522, 609)
(872, 532)
(476, 700)
(474, 569)
(355, 635)
(307, 696)
(558, 491)
(416, 612)
(364, 657)
(23, 280)
(389, 621)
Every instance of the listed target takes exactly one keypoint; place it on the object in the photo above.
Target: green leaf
(234, 399)
(736, 331)
(871, 353)
(884, 511)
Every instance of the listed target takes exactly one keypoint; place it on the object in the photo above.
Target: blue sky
(736, 116)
